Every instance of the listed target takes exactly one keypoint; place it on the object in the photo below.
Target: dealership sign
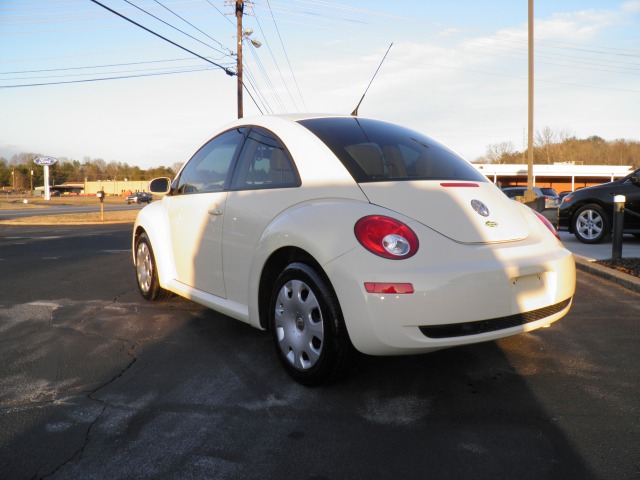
(46, 161)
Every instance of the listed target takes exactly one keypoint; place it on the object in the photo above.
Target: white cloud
(631, 7)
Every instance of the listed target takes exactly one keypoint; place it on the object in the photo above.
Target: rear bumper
(518, 287)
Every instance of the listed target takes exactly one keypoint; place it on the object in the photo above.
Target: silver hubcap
(299, 325)
(144, 267)
(589, 224)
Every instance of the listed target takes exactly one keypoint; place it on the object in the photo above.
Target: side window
(209, 169)
(264, 163)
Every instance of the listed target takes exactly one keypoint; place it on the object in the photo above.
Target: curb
(623, 279)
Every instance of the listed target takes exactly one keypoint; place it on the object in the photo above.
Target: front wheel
(147, 272)
(591, 224)
(308, 330)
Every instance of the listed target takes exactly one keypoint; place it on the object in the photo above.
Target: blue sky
(457, 71)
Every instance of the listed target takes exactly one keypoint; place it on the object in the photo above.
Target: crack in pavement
(90, 395)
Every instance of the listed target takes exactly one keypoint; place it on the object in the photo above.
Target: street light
(245, 36)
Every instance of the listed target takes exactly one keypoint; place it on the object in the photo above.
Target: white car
(335, 232)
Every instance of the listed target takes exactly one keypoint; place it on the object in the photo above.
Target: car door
(265, 183)
(195, 211)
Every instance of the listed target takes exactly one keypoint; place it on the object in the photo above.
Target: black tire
(591, 224)
(308, 329)
(147, 272)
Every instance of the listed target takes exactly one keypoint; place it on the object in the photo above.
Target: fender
(153, 220)
(322, 228)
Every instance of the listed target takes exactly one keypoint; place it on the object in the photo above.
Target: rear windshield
(375, 151)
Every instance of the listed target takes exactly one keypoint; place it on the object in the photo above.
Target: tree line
(550, 146)
(20, 172)
(561, 146)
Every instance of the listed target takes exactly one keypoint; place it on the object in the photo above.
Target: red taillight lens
(547, 224)
(386, 237)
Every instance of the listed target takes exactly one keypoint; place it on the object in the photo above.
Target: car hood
(454, 209)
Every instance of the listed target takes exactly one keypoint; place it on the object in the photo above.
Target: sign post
(45, 162)
(100, 196)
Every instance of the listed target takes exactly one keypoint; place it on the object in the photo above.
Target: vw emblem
(480, 208)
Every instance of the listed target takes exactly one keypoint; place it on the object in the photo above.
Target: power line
(174, 27)
(94, 66)
(286, 56)
(226, 70)
(275, 61)
(87, 80)
(220, 12)
(184, 69)
(191, 24)
(268, 81)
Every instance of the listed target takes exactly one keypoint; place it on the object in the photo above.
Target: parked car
(341, 234)
(549, 194)
(588, 212)
(139, 197)
(563, 194)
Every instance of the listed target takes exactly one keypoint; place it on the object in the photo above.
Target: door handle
(215, 211)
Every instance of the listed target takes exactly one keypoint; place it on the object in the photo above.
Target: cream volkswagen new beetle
(341, 234)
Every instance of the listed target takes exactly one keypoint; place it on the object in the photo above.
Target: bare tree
(499, 152)
(545, 140)
(176, 167)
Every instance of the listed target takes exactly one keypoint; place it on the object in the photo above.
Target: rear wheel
(147, 272)
(591, 224)
(308, 330)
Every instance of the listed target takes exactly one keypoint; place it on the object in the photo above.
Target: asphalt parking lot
(600, 251)
(97, 383)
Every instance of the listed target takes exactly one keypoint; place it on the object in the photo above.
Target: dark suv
(588, 212)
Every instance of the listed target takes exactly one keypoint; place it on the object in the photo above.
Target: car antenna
(355, 111)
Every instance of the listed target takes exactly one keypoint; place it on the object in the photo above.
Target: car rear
(479, 268)
(451, 293)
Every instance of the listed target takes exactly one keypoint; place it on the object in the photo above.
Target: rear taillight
(386, 237)
(547, 224)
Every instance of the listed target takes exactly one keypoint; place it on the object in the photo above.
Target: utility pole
(239, 13)
(529, 195)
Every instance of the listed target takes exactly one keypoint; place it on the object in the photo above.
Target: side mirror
(635, 178)
(160, 185)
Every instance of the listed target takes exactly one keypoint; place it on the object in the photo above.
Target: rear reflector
(398, 288)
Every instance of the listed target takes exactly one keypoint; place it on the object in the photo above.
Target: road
(97, 383)
(9, 214)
